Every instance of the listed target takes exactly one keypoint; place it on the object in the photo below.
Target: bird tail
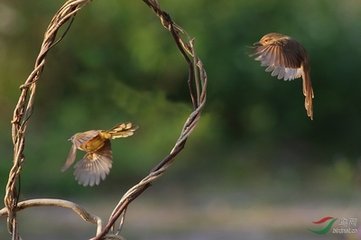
(122, 130)
(308, 92)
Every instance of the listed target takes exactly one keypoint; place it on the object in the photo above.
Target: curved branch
(24, 107)
(44, 202)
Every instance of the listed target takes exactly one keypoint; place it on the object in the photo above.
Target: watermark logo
(334, 225)
(324, 225)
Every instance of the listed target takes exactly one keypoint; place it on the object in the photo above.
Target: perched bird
(287, 59)
(97, 161)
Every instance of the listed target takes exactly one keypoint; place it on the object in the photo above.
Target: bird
(287, 59)
(97, 161)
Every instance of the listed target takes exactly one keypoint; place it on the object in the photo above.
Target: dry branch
(197, 84)
(46, 202)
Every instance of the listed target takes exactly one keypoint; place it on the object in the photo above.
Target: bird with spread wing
(287, 59)
(97, 161)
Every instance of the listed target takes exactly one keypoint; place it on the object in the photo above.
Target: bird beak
(257, 44)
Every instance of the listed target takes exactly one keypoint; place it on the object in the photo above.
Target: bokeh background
(255, 168)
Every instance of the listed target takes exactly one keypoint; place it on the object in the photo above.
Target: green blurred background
(254, 147)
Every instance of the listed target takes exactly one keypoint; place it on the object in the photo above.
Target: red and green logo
(324, 225)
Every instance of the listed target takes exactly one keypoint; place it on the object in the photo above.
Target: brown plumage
(287, 59)
(97, 161)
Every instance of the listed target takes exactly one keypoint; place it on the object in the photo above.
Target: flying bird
(97, 161)
(287, 59)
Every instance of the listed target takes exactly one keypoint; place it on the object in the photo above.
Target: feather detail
(70, 159)
(94, 167)
(122, 130)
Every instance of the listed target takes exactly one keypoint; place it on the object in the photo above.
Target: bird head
(270, 38)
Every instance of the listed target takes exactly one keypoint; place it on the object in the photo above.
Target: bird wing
(94, 167)
(283, 59)
(80, 138)
(70, 159)
(77, 140)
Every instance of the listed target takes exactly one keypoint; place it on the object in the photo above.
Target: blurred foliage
(118, 64)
